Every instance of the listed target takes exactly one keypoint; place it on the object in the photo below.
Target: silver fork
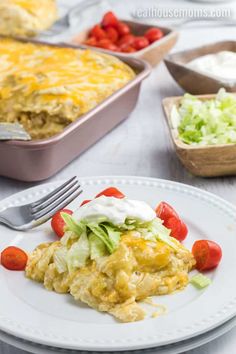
(30, 215)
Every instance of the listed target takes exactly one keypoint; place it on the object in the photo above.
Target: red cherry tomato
(85, 202)
(98, 32)
(58, 224)
(178, 228)
(111, 192)
(207, 254)
(112, 34)
(107, 44)
(14, 258)
(128, 49)
(164, 211)
(122, 28)
(153, 34)
(128, 40)
(140, 43)
(109, 20)
(91, 41)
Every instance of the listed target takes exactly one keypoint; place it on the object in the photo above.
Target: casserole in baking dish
(39, 159)
(45, 88)
(26, 17)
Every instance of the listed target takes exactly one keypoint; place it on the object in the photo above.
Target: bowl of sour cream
(205, 69)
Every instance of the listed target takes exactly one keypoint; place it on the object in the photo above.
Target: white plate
(29, 311)
(169, 349)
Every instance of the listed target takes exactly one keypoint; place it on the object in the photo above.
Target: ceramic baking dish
(39, 159)
(204, 161)
(153, 54)
(195, 82)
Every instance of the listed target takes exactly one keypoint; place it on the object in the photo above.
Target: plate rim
(175, 348)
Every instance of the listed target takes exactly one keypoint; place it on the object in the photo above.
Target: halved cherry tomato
(140, 43)
(153, 34)
(127, 49)
(98, 32)
(109, 20)
(178, 228)
(122, 28)
(207, 254)
(128, 40)
(85, 202)
(58, 224)
(14, 258)
(164, 211)
(112, 34)
(111, 192)
(107, 44)
(91, 41)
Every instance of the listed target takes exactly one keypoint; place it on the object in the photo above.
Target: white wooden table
(141, 146)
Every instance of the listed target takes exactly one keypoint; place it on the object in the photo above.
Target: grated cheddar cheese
(45, 88)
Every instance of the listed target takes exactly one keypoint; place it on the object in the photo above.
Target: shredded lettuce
(59, 258)
(157, 231)
(206, 122)
(200, 281)
(113, 234)
(72, 225)
(109, 238)
(97, 247)
(96, 240)
(79, 253)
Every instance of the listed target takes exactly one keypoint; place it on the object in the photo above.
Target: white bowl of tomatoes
(129, 38)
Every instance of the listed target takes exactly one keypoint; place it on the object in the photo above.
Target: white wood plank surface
(141, 146)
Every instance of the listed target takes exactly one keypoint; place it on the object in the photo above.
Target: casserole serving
(26, 17)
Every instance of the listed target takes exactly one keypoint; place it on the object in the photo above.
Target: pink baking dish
(39, 159)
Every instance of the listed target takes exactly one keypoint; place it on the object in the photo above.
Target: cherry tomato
(127, 40)
(91, 41)
(122, 28)
(107, 44)
(178, 228)
(58, 224)
(14, 258)
(164, 211)
(98, 32)
(153, 34)
(111, 192)
(127, 49)
(85, 202)
(112, 34)
(207, 254)
(109, 20)
(140, 43)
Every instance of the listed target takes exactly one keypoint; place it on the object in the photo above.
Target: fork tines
(47, 206)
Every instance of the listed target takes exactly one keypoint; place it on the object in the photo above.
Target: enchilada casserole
(45, 88)
(26, 17)
(112, 264)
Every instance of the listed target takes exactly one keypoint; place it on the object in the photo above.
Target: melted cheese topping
(63, 82)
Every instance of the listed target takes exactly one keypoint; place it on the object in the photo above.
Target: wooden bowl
(204, 161)
(153, 54)
(192, 81)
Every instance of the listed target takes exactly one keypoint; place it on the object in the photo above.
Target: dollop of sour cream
(115, 210)
(221, 65)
